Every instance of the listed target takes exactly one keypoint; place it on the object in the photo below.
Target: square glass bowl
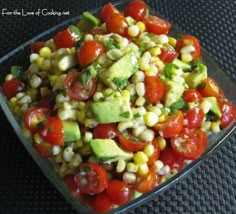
(20, 56)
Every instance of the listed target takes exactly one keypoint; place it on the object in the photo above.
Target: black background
(209, 189)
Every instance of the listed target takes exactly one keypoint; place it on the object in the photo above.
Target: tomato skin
(107, 10)
(12, 87)
(70, 183)
(189, 145)
(34, 116)
(167, 55)
(155, 156)
(192, 95)
(228, 112)
(64, 39)
(137, 9)
(146, 183)
(193, 117)
(129, 145)
(211, 88)
(46, 102)
(36, 46)
(168, 157)
(118, 191)
(154, 89)
(116, 23)
(95, 175)
(189, 40)
(156, 25)
(105, 131)
(171, 126)
(75, 89)
(52, 131)
(44, 149)
(102, 203)
(89, 52)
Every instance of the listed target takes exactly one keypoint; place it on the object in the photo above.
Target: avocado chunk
(119, 71)
(214, 105)
(183, 65)
(173, 92)
(196, 76)
(71, 130)
(135, 194)
(108, 150)
(88, 22)
(112, 110)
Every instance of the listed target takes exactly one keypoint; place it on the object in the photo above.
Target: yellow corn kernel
(172, 41)
(26, 132)
(162, 118)
(162, 142)
(155, 51)
(125, 94)
(143, 169)
(141, 26)
(149, 150)
(150, 119)
(81, 116)
(186, 57)
(13, 101)
(131, 167)
(45, 52)
(140, 158)
(215, 127)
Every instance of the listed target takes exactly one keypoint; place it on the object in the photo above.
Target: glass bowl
(19, 56)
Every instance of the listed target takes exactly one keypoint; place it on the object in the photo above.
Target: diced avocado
(183, 65)
(112, 110)
(108, 150)
(121, 69)
(88, 22)
(173, 92)
(196, 76)
(71, 131)
(135, 194)
(214, 105)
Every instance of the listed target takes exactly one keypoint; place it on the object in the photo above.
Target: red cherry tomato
(76, 90)
(130, 143)
(137, 9)
(106, 11)
(154, 89)
(46, 102)
(52, 131)
(210, 88)
(44, 149)
(102, 203)
(193, 117)
(168, 157)
(192, 95)
(228, 112)
(155, 156)
(91, 178)
(104, 131)
(146, 183)
(70, 183)
(12, 87)
(89, 52)
(118, 191)
(189, 40)
(34, 116)
(36, 46)
(156, 25)
(188, 144)
(116, 23)
(171, 126)
(167, 55)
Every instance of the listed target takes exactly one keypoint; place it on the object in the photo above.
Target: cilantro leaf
(17, 72)
(169, 70)
(110, 44)
(125, 114)
(85, 77)
(177, 105)
(120, 82)
(84, 169)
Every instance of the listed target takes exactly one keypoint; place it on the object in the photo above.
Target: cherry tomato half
(91, 178)
(171, 126)
(156, 25)
(154, 89)
(130, 143)
(70, 183)
(89, 52)
(76, 90)
(210, 88)
(46, 102)
(228, 112)
(44, 149)
(167, 55)
(117, 23)
(107, 10)
(34, 116)
(102, 203)
(12, 87)
(192, 95)
(104, 131)
(137, 9)
(193, 117)
(155, 156)
(36, 46)
(52, 131)
(118, 191)
(189, 40)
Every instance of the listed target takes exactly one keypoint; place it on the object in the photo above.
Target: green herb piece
(77, 45)
(125, 114)
(137, 115)
(177, 105)
(17, 72)
(134, 139)
(49, 152)
(169, 70)
(76, 32)
(85, 77)
(59, 91)
(105, 159)
(196, 63)
(110, 44)
(201, 86)
(120, 82)
(50, 129)
(41, 124)
(84, 169)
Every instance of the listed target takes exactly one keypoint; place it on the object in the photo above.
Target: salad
(117, 104)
